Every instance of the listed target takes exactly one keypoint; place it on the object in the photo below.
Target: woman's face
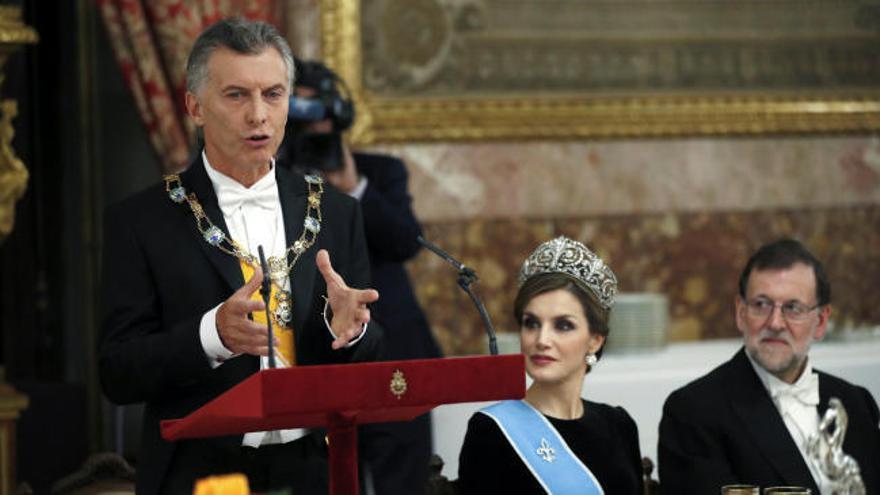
(555, 337)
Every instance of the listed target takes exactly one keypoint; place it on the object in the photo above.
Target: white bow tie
(263, 195)
(805, 391)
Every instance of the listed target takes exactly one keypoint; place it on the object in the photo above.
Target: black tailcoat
(724, 428)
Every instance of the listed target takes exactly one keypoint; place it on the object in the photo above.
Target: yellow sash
(285, 351)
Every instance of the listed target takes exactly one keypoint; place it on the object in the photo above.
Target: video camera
(305, 147)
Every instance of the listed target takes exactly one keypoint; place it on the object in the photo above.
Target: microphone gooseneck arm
(466, 277)
(265, 290)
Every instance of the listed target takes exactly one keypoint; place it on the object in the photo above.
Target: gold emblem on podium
(398, 384)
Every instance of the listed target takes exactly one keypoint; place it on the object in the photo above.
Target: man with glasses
(748, 420)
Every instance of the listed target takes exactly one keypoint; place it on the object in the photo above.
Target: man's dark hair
(239, 35)
(783, 254)
(314, 74)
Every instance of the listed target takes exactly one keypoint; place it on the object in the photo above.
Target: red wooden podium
(339, 397)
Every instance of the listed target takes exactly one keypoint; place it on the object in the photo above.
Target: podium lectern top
(339, 397)
(307, 396)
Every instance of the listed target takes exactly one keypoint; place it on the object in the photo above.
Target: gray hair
(239, 35)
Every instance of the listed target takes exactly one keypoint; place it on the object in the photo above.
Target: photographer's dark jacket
(392, 231)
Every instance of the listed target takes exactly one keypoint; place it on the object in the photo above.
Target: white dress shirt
(797, 404)
(251, 224)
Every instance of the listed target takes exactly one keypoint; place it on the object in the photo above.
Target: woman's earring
(591, 359)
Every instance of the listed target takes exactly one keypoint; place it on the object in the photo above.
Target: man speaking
(183, 322)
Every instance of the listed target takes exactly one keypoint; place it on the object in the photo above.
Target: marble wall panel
(693, 258)
(574, 179)
(678, 216)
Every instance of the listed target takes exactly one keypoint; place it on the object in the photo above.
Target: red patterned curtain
(151, 40)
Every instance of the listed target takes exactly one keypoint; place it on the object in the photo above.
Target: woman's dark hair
(597, 316)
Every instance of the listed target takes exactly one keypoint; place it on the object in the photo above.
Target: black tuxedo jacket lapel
(294, 198)
(196, 180)
(826, 392)
(763, 423)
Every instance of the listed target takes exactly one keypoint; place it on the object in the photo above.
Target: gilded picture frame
(795, 67)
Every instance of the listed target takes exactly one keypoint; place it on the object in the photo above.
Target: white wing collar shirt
(797, 403)
(254, 218)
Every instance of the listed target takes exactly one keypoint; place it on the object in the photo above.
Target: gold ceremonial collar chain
(279, 266)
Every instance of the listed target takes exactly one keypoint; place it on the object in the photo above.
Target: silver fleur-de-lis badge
(546, 452)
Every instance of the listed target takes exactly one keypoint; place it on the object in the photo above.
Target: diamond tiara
(563, 255)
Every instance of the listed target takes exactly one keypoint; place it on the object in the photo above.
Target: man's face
(777, 343)
(242, 108)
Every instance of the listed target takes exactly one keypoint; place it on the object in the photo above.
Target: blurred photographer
(394, 456)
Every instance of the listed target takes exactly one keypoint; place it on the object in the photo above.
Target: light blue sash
(542, 449)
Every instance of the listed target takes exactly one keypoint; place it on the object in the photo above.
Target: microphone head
(265, 268)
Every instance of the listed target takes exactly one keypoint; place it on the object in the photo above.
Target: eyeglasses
(762, 307)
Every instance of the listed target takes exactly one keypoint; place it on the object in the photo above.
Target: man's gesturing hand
(349, 305)
(238, 333)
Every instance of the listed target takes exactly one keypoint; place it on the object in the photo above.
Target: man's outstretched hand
(349, 305)
(238, 333)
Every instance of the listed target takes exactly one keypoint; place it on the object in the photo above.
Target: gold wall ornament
(398, 384)
(12, 403)
(447, 71)
(13, 182)
(13, 174)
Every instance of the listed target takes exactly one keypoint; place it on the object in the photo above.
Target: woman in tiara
(554, 441)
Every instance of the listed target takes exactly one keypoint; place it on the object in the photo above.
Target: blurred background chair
(101, 473)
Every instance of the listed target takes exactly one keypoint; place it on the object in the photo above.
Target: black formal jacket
(724, 428)
(160, 277)
(391, 230)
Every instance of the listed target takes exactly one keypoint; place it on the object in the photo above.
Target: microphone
(466, 277)
(265, 290)
(446, 256)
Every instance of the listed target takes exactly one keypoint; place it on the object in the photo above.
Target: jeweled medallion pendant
(283, 308)
(277, 268)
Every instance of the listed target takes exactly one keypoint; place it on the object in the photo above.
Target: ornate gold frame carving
(398, 119)
(13, 174)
